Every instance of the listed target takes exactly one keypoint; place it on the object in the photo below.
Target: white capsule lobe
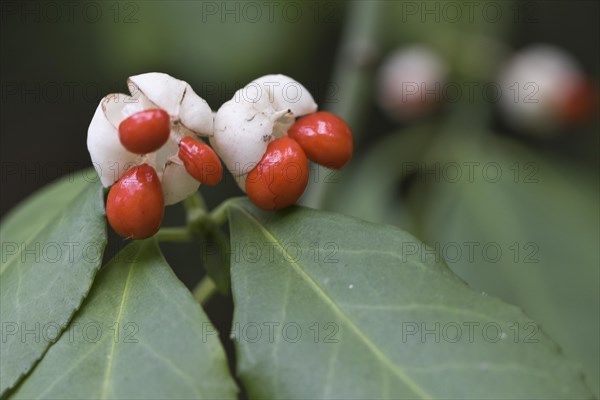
(177, 98)
(177, 184)
(110, 159)
(258, 113)
(190, 115)
(285, 93)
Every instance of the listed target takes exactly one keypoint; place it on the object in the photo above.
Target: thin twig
(174, 234)
(204, 290)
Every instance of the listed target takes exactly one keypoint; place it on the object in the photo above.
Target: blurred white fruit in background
(410, 82)
(543, 90)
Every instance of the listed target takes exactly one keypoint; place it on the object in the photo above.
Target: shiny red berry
(135, 204)
(280, 177)
(325, 138)
(145, 131)
(200, 161)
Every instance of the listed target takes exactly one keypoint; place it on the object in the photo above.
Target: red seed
(200, 161)
(325, 138)
(135, 204)
(280, 177)
(145, 131)
(580, 104)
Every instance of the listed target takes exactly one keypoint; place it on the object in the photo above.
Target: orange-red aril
(325, 138)
(200, 161)
(146, 131)
(135, 204)
(280, 177)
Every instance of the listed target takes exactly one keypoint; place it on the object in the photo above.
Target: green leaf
(52, 247)
(328, 306)
(538, 218)
(139, 334)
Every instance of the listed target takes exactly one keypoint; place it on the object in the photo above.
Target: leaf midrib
(336, 308)
(111, 354)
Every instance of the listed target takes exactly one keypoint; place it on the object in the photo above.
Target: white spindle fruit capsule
(410, 82)
(543, 88)
(189, 115)
(258, 113)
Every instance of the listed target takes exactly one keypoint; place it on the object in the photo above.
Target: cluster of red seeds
(280, 177)
(135, 204)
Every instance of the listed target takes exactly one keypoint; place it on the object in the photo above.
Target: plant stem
(218, 215)
(195, 209)
(356, 54)
(174, 234)
(217, 263)
(204, 290)
(194, 202)
(351, 76)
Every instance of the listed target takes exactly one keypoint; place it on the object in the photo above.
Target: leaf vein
(111, 354)
(412, 385)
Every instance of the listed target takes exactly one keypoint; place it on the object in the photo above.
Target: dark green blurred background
(58, 59)
(55, 73)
